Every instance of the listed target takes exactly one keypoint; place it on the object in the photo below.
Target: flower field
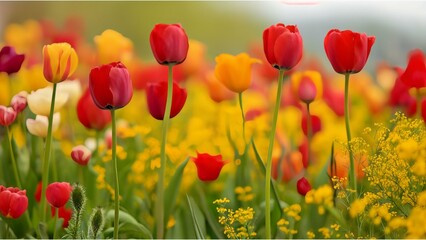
(270, 143)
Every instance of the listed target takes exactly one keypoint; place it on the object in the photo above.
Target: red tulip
(156, 94)
(13, 202)
(347, 51)
(169, 43)
(208, 166)
(307, 91)
(400, 94)
(283, 45)
(304, 151)
(415, 74)
(90, 115)
(64, 213)
(81, 155)
(58, 194)
(10, 62)
(7, 116)
(110, 86)
(303, 186)
(315, 124)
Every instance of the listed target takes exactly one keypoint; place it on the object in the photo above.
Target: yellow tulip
(59, 61)
(113, 47)
(235, 71)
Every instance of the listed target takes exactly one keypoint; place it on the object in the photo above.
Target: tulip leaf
(263, 168)
(173, 190)
(198, 232)
(43, 230)
(129, 225)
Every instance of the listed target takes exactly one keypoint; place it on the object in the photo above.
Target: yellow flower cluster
(237, 224)
(323, 197)
(244, 194)
(101, 182)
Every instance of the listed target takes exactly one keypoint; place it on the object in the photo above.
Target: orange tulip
(59, 62)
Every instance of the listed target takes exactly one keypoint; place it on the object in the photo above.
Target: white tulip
(38, 126)
(73, 88)
(39, 101)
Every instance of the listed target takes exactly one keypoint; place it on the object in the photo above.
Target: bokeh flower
(112, 46)
(414, 75)
(38, 126)
(10, 61)
(13, 202)
(169, 43)
(58, 194)
(283, 45)
(81, 155)
(7, 115)
(39, 101)
(59, 62)
(347, 51)
(19, 101)
(208, 166)
(235, 71)
(303, 186)
(90, 115)
(156, 95)
(110, 86)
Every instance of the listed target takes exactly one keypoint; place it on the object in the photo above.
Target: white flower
(38, 126)
(73, 88)
(39, 101)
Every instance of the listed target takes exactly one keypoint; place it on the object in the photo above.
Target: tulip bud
(208, 166)
(78, 198)
(169, 43)
(81, 155)
(58, 193)
(39, 125)
(7, 116)
(10, 62)
(307, 90)
(96, 222)
(13, 202)
(59, 62)
(303, 186)
(156, 95)
(19, 101)
(414, 75)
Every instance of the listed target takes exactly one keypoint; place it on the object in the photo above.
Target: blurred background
(231, 26)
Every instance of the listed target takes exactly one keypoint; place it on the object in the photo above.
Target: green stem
(12, 157)
(240, 98)
(159, 208)
(419, 104)
(47, 154)
(269, 159)
(54, 223)
(352, 179)
(116, 185)
(309, 132)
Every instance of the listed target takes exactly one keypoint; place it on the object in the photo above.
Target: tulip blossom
(156, 95)
(169, 43)
(38, 126)
(110, 86)
(347, 51)
(217, 91)
(19, 101)
(13, 202)
(315, 121)
(59, 62)
(208, 166)
(414, 75)
(10, 62)
(283, 46)
(58, 194)
(90, 115)
(235, 71)
(7, 116)
(307, 85)
(112, 46)
(72, 88)
(81, 155)
(303, 186)
(39, 101)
